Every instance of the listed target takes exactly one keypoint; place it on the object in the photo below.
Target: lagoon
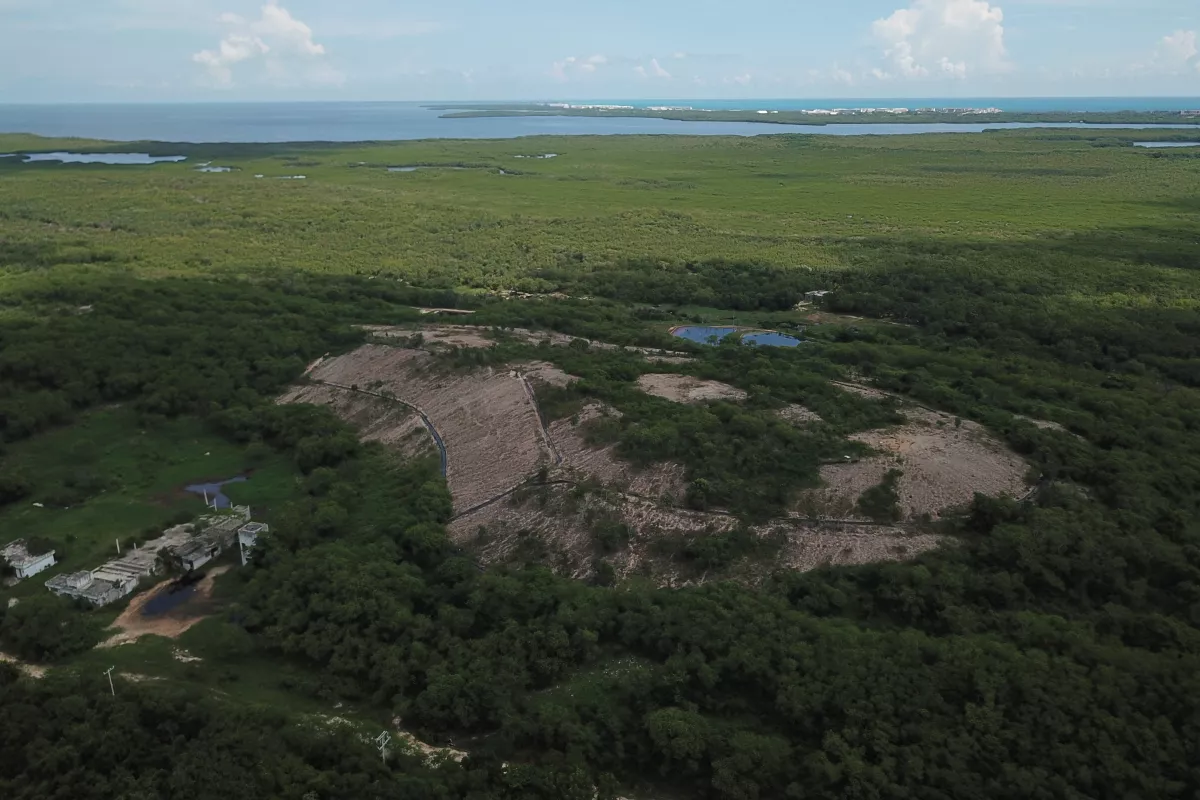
(704, 334)
(1166, 144)
(100, 158)
(357, 122)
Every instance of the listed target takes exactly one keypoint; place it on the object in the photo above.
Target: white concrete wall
(42, 564)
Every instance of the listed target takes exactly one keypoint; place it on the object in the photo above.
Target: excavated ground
(945, 461)
(686, 389)
(376, 419)
(496, 441)
(486, 418)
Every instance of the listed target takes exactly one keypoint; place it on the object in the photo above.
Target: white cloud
(1178, 50)
(571, 65)
(283, 44)
(948, 38)
(654, 70)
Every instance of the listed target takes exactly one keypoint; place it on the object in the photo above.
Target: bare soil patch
(376, 419)
(686, 389)
(546, 373)
(133, 625)
(469, 336)
(554, 525)
(945, 462)
(799, 415)
(582, 461)
(1044, 424)
(811, 547)
(486, 418)
(862, 391)
(32, 670)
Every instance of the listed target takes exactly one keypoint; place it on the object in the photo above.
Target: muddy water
(216, 497)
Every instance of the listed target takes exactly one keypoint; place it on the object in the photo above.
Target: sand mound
(686, 389)
(945, 462)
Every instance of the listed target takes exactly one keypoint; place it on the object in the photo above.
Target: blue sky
(214, 50)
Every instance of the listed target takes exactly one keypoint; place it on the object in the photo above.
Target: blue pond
(701, 334)
(216, 497)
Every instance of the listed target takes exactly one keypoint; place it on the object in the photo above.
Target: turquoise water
(356, 122)
(704, 334)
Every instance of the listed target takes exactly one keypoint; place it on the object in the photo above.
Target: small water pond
(543, 155)
(100, 158)
(703, 334)
(210, 168)
(1166, 144)
(421, 166)
(169, 600)
(213, 491)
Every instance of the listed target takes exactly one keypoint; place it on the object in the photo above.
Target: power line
(381, 741)
(111, 688)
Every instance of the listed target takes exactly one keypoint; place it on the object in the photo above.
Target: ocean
(382, 121)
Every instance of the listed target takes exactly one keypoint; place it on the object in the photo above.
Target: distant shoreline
(818, 117)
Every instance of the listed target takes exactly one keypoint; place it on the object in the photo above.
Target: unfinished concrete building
(188, 546)
(87, 587)
(24, 563)
(248, 538)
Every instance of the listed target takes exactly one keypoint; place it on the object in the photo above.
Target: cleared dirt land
(486, 418)
(376, 419)
(686, 389)
(582, 461)
(556, 525)
(496, 442)
(945, 462)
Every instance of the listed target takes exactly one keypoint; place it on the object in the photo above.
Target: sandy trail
(32, 670)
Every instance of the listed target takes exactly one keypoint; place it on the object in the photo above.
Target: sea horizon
(1013, 104)
(355, 121)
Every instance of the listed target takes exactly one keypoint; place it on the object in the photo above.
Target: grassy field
(823, 203)
(128, 482)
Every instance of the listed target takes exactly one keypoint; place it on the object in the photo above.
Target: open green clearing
(110, 477)
(150, 315)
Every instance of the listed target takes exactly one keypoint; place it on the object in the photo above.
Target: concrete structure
(24, 563)
(195, 555)
(88, 587)
(248, 537)
(182, 544)
(817, 295)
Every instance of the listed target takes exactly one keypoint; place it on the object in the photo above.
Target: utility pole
(381, 741)
(111, 688)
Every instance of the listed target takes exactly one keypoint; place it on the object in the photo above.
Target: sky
(253, 50)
